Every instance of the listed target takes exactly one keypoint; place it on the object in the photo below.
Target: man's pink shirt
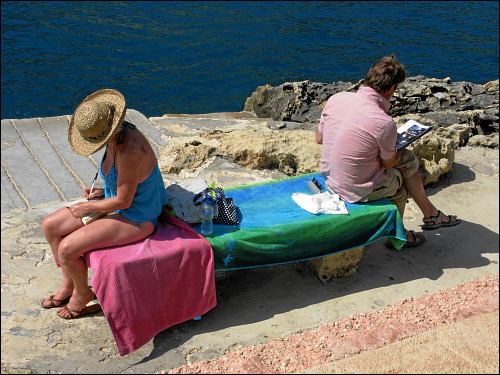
(357, 133)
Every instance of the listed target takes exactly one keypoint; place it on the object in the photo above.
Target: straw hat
(96, 120)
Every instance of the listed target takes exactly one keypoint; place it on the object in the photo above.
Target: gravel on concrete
(369, 331)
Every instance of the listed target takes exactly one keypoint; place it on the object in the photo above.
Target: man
(359, 157)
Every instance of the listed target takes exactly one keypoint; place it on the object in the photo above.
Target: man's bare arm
(319, 137)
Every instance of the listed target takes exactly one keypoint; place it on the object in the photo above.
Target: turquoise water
(199, 57)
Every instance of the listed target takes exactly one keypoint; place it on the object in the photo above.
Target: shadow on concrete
(252, 295)
(459, 174)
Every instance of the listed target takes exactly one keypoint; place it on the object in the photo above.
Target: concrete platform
(256, 306)
(38, 165)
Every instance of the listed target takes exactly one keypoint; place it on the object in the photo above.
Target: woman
(133, 193)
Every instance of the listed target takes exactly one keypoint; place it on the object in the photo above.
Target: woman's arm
(129, 165)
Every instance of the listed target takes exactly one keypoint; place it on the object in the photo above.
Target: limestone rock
(280, 138)
(490, 141)
(289, 151)
(435, 155)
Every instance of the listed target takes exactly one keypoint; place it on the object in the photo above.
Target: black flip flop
(438, 223)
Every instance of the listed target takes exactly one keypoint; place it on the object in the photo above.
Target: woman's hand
(79, 210)
(97, 193)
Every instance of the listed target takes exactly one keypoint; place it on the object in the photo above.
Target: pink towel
(151, 285)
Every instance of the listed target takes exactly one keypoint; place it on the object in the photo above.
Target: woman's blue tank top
(149, 197)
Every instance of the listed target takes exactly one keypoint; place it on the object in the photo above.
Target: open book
(91, 216)
(410, 132)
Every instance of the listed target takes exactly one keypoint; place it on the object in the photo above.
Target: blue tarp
(274, 229)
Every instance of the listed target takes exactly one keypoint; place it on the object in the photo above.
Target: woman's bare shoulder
(137, 153)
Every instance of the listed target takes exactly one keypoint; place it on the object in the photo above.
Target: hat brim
(83, 146)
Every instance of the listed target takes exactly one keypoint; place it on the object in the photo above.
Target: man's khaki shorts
(391, 186)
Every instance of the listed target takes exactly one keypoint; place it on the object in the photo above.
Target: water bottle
(207, 215)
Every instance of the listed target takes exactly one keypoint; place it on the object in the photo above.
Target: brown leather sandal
(53, 302)
(418, 239)
(87, 310)
(435, 222)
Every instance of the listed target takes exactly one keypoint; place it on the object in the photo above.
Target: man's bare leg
(415, 187)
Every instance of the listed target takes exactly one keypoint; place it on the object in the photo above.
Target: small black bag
(227, 210)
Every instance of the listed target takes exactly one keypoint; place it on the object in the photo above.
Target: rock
(293, 101)
(491, 86)
(288, 151)
(484, 140)
(303, 101)
(435, 155)
(461, 113)
(458, 133)
(291, 152)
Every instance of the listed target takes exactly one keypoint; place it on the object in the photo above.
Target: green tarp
(274, 229)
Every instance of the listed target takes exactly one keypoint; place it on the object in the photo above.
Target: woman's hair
(385, 73)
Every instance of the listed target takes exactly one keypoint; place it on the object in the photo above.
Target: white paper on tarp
(322, 203)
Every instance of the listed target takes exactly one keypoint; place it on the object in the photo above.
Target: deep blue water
(200, 57)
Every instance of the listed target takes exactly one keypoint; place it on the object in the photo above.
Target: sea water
(209, 56)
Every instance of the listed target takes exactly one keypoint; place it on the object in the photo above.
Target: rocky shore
(462, 113)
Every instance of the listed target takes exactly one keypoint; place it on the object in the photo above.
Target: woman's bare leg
(94, 236)
(55, 227)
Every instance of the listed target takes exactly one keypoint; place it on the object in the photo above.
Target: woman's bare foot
(76, 304)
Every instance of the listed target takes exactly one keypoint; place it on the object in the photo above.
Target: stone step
(39, 167)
